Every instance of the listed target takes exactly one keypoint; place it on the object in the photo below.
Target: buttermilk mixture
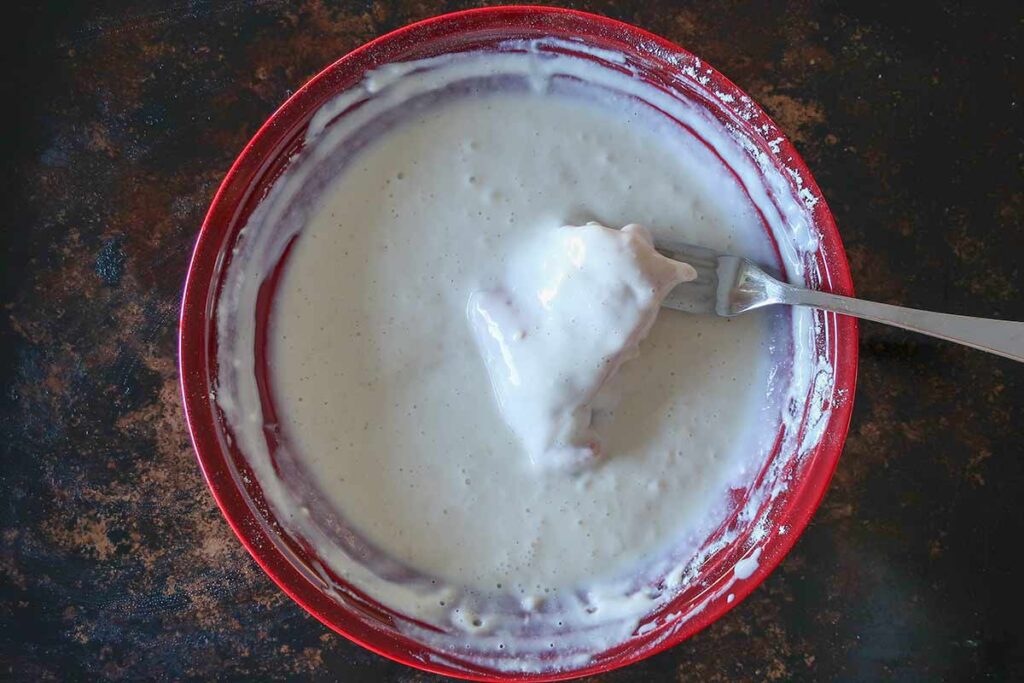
(483, 420)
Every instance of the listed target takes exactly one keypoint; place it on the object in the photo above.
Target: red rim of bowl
(196, 352)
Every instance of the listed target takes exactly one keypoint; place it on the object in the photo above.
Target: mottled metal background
(122, 117)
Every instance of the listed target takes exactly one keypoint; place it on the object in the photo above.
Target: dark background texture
(121, 118)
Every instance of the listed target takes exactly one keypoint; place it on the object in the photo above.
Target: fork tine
(697, 296)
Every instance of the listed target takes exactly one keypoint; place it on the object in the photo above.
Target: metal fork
(730, 285)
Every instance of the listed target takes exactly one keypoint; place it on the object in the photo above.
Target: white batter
(380, 388)
(385, 405)
(574, 307)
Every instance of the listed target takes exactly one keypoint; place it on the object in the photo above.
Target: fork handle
(1002, 337)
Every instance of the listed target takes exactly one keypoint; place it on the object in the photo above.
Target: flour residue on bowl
(394, 462)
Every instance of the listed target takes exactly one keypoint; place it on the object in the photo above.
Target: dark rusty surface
(124, 116)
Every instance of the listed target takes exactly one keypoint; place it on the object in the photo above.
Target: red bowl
(239, 497)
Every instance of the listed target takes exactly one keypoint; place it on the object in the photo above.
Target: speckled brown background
(121, 119)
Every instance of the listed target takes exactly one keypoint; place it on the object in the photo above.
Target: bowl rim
(194, 348)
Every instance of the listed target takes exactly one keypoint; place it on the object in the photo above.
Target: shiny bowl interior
(289, 561)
